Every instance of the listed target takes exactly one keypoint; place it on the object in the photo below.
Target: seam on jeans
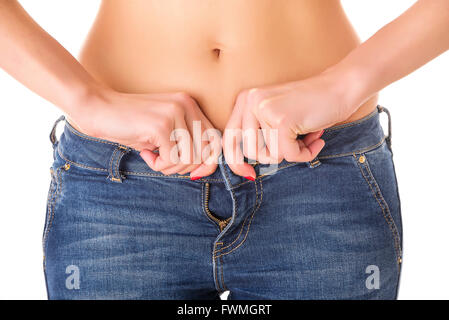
(374, 146)
(265, 174)
(149, 174)
(119, 159)
(222, 277)
(49, 204)
(235, 214)
(382, 204)
(256, 207)
(123, 151)
(164, 176)
(79, 164)
(52, 211)
(217, 285)
(203, 207)
(110, 168)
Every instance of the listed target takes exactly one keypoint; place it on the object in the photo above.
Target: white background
(419, 107)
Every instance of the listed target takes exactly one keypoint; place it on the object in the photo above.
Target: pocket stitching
(382, 204)
(52, 203)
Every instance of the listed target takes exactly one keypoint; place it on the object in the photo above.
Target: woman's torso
(145, 46)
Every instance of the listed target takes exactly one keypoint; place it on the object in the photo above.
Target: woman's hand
(171, 122)
(266, 121)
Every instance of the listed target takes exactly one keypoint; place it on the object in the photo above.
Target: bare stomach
(214, 49)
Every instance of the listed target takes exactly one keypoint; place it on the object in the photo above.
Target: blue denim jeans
(325, 229)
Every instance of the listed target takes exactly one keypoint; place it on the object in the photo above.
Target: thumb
(149, 157)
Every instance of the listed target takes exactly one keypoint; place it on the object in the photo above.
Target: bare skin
(215, 49)
(151, 67)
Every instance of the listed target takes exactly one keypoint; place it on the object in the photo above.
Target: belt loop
(314, 163)
(53, 139)
(114, 163)
(388, 138)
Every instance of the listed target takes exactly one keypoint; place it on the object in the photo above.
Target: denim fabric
(325, 229)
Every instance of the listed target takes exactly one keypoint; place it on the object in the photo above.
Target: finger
(293, 150)
(209, 154)
(203, 170)
(253, 141)
(148, 156)
(271, 138)
(168, 155)
(232, 139)
(309, 138)
(182, 135)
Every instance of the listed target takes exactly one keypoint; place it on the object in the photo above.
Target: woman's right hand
(170, 122)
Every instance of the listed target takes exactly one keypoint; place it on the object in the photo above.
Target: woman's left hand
(266, 121)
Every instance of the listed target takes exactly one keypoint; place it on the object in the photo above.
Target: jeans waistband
(119, 161)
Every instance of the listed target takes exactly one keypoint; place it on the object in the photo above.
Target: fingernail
(322, 131)
(250, 178)
(195, 178)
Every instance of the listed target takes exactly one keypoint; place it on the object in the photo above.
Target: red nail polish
(195, 178)
(322, 131)
(250, 178)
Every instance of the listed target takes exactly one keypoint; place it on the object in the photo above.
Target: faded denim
(325, 229)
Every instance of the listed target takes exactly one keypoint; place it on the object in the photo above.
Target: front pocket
(367, 174)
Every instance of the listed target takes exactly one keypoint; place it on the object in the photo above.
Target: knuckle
(279, 119)
(255, 94)
(182, 96)
(175, 108)
(164, 126)
(264, 108)
(186, 100)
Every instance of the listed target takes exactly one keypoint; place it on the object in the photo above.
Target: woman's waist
(213, 50)
(110, 158)
(214, 87)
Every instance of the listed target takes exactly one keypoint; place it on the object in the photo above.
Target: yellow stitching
(57, 192)
(216, 277)
(249, 225)
(130, 172)
(235, 213)
(110, 169)
(282, 167)
(51, 196)
(244, 221)
(389, 219)
(79, 164)
(352, 152)
(116, 166)
(222, 278)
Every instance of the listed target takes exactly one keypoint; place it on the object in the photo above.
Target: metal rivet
(67, 166)
(362, 159)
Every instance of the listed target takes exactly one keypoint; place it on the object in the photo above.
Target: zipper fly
(221, 223)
